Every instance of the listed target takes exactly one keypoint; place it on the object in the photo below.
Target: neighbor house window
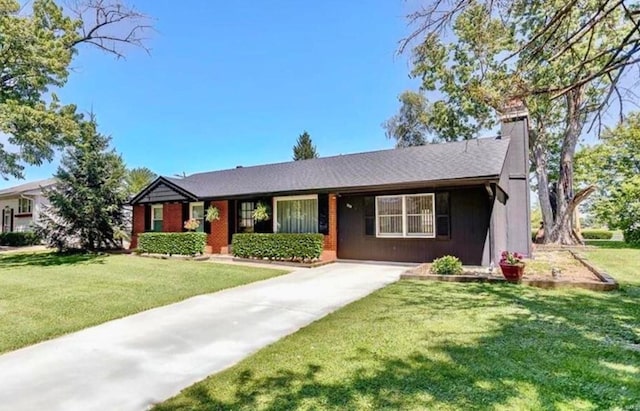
(405, 216)
(246, 215)
(196, 212)
(25, 205)
(156, 217)
(296, 214)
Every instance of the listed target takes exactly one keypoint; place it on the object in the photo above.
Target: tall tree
(138, 178)
(585, 19)
(490, 57)
(86, 205)
(304, 148)
(37, 46)
(613, 166)
(410, 127)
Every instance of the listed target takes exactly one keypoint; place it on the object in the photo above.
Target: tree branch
(110, 26)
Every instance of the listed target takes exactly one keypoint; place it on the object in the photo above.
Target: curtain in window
(389, 215)
(420, 215)
(157, 218)
(297, 216)
(197, 213)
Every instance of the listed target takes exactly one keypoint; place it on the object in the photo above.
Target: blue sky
(234, 83)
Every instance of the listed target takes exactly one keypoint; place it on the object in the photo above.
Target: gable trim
(162, 181)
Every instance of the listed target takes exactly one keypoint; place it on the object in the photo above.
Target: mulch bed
(574, 271)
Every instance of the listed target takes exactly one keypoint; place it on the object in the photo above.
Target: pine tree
(86, 205)
(304, 148)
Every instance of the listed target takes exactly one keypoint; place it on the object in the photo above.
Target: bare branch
(111, 26)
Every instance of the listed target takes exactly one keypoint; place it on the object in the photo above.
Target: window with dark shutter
(443, 213)
(147, 218)
(369, 216)
(323, 214)
(207, 224)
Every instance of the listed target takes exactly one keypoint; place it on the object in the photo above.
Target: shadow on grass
(614, 244)
(45, 259)
(554, 350)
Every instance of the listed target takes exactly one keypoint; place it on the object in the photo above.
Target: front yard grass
(448, 346)
(45, 295)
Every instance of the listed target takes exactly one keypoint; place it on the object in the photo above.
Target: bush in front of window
(190, 243)
(19, 239)
(447, 265)
(280, 247)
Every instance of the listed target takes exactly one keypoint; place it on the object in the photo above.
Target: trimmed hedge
(172, 243)
(19, 239)
(283, 247)
(591, 234)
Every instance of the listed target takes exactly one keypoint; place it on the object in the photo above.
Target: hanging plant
(212, 214)
(261, 213)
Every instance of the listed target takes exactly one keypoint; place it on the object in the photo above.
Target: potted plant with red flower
(512, 266)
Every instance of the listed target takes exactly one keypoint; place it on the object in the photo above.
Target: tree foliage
(613, 166)
(563, 27)
(138, 178)
(86, 205)
(490, 57)
(37, 45)
(304, 148)
(410, 127)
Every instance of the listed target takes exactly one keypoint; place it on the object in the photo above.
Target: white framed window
(295, 214)
(156, 217)
(409, 215)
(25, 205)
(196, 212)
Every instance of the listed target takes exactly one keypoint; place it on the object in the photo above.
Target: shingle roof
(429, 163)
(26, 187)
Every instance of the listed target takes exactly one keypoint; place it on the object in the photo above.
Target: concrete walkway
(134, 362)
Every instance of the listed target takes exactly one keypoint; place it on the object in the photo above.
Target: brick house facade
(469, 199)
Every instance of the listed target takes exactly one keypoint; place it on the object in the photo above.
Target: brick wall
(331, 240)
(138, 224)
(172, 219)
(219, 237)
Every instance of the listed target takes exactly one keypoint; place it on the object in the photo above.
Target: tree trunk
(539, 159)
(562, 230)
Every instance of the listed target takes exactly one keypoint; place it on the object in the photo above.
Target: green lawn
(446, 346)
(44, 295)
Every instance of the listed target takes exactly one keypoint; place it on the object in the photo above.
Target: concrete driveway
(134, 362)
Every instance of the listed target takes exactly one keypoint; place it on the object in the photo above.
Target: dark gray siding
(469, 219)
(161, 194)
(515, 180)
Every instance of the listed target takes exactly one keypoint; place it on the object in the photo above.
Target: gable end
(162, 191)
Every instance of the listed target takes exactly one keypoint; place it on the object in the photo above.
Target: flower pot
(512, 272)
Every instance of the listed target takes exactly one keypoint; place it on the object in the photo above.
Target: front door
(6, 220)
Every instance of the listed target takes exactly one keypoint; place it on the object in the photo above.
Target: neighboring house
(21, 205)
(469, 199)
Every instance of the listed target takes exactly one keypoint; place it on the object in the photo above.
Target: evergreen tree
(304, 148)
(86, 205)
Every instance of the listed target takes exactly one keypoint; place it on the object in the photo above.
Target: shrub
(597, 234)
(632, 234)
(19, 239)
(172, 243)
(447, 265)
(290, 247)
